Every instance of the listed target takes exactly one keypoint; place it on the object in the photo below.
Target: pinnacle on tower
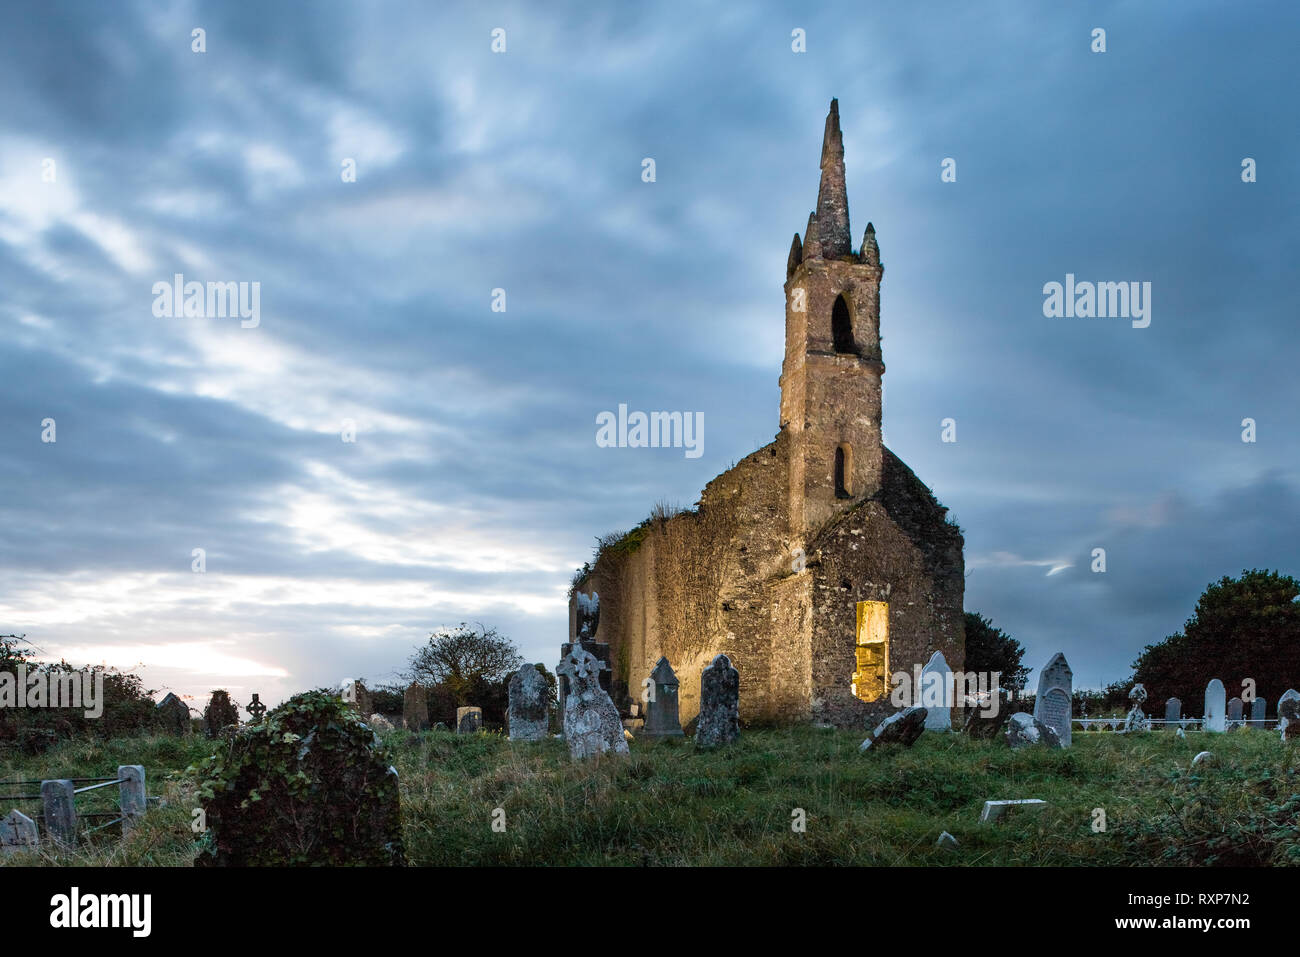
(870, 253)
(796, 257)
(832, 196)
(812, 244)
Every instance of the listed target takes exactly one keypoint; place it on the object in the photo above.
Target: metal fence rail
(59, 818)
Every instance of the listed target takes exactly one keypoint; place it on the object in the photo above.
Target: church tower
(831, 375)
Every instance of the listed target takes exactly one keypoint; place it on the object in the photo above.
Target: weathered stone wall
(897, 548)
(695, 586)
(722, 580)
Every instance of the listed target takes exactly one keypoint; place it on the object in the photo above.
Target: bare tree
(463, 656)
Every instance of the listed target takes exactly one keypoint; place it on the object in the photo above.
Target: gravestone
(527, 713)
(719, 720)
(18, 832)
(379, 724)
(220, 714)
(1136, 720)
(1215, 707)
(1173, 711)
(661, 716)
(469, 719)
(1258, 712)
(599, 650)
(902, 727)
(936, 693)
(1234, 712)
(310, 784)
(996, 810)
(1288, 715)
(415, 707)
(591, 723)
(357, 697)
(1024, 730)
(173, 715)
(1289, 695)
(255, 709)
(1055, 693)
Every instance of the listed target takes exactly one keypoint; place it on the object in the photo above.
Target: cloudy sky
(475, 485)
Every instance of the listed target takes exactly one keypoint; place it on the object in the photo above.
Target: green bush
(310, 784)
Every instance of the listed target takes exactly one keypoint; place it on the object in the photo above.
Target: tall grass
(669, 805)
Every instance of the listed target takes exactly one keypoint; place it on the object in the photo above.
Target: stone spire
(832, 197)
(796, 257)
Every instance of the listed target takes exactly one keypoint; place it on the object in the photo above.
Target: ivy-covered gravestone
(220, 714)
(309, 785)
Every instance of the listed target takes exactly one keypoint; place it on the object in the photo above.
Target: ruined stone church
(820, 564)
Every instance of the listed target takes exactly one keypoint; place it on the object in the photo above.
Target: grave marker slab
(936, 693)
(528, 711)
(661, 715)
(719, 720)
(591, 722)
(1052, 705)
(469, 719)
(18, 832)
(1215, 707)
(415, 707)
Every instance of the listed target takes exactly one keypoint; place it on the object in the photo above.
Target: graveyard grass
(670, 805)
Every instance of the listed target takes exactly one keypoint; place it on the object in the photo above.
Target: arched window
(843, 471)
(842, 327)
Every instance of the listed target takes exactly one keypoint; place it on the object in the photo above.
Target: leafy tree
(1242, 629)
(990, 649)
(466, 659)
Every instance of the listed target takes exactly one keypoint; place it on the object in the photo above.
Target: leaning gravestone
(661, 715)
(310, 784)
(1234, 712)
(1258, 712)
(591, 723)
(173, 715)
(1173, 711)
(1055, 691)
(936, 693)
(1024, 730)
(528, 711)
(1214, 707)
(719, 719)
(902, 727)
(469, 720)
(18, 832)
(415, 707)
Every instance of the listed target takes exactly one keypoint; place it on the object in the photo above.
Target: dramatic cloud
(475, 485)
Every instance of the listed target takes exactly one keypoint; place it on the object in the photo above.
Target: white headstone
(936, 693)
(1289, 695)
(1055, 692)
(1215, 707)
